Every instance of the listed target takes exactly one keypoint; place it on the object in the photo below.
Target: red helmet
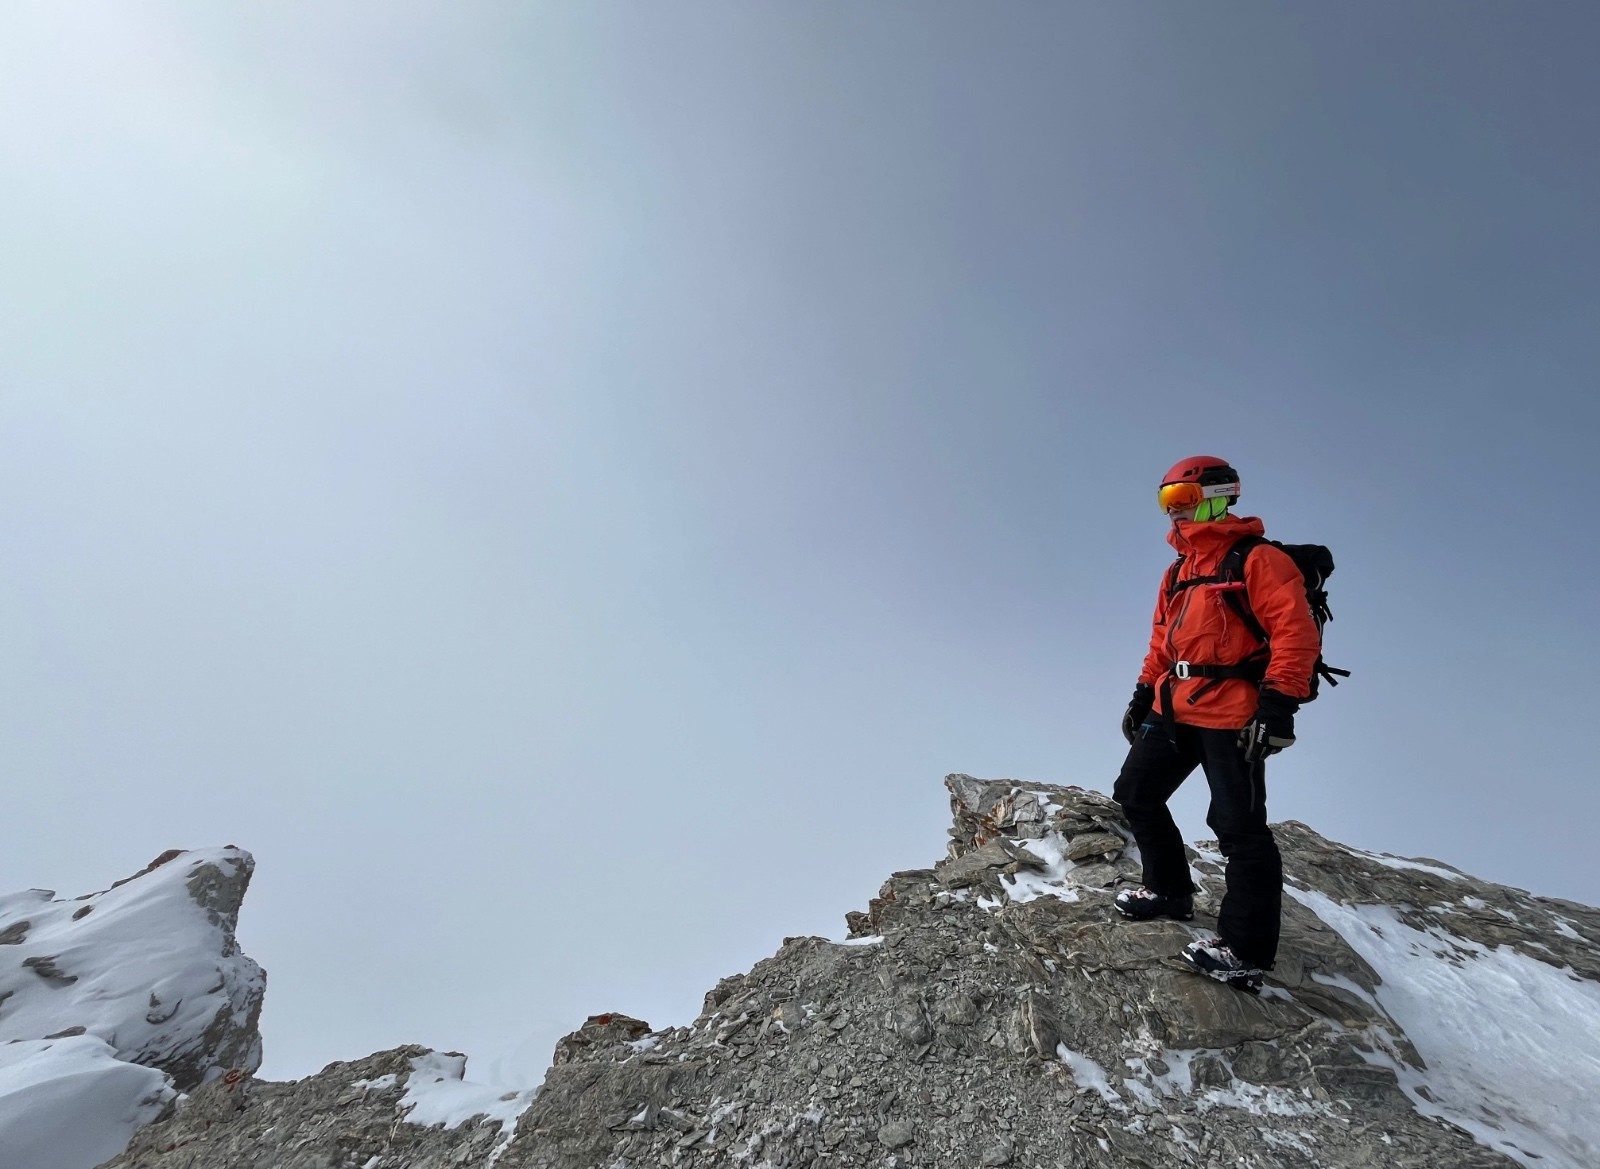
(1206, 470)
(1193, 481)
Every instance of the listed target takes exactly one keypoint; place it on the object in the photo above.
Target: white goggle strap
(1215, 489)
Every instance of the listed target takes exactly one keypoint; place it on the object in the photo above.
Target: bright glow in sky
(561, 484)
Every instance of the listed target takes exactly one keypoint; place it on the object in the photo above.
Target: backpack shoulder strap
(1232, 569)
(1172, 578)
(1233, 559)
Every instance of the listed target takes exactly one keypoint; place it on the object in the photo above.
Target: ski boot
(1215, 960)
(1143, 904)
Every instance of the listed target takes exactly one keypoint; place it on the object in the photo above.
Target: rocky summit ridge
(992, 1010)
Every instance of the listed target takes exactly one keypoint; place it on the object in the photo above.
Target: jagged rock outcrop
(113, 1003)
(150, 965)
(991, 1010)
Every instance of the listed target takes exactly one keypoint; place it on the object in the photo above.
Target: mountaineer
(1234, 650)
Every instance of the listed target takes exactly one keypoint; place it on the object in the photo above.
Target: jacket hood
(1204, 542)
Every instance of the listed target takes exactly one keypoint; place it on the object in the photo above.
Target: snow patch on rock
(438, 1093)
(1508, 1040)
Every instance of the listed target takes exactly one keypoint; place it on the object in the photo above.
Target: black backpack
(1316, 566)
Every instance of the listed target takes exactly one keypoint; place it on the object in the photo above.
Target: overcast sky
(562, 483)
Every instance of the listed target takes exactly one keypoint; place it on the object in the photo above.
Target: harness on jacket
(1315, 563)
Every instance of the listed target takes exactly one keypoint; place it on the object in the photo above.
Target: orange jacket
(1198, 626)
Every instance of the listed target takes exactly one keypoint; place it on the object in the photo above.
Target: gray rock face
(345, 1115)
(987, 1011)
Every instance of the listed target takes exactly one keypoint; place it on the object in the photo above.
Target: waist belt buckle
(1180, 670)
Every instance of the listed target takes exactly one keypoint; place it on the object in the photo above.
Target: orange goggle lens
(1178, 496)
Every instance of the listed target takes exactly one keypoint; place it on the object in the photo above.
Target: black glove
(1144, 697)
(1271, 728)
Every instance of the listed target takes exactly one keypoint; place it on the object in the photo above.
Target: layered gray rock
(349, 1114)
(988, 1010)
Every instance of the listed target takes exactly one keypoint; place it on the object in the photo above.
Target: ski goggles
(1182, 496)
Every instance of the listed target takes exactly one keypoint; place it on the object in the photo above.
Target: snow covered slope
(71, 1103)
(113, 1003)
(1508, 1042)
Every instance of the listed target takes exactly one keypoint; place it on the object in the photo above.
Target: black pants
(1155, 767)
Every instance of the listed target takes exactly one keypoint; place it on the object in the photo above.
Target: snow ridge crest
(114, 1003)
